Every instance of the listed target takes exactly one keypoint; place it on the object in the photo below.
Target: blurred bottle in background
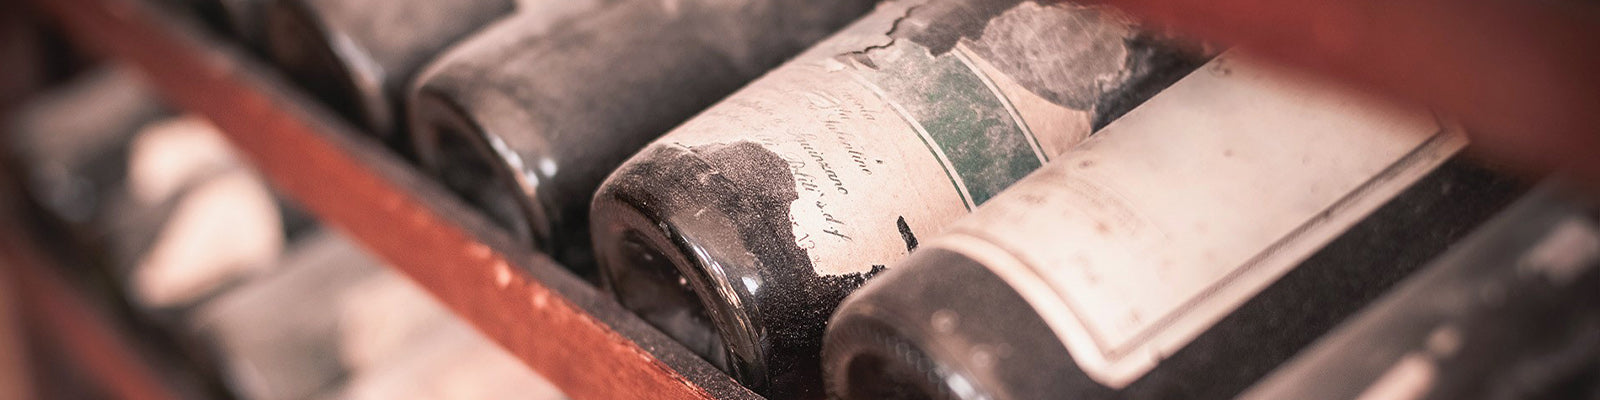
(198, 220)
(199, 246)
(156, 200)
(526, 121)
(739, 232)
(330, 311)
(336, 324)
(1184, 251)
(69, 144)
(455, 362)
(1512, 312)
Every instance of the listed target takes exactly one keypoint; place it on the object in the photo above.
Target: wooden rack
(72, 327)
(572, 334)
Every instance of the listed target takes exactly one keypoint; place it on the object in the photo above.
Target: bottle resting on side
(194, 220)
(358, 56)
(1182, 252)
(739, 232)
(158, 203)
(526, 119)
(70, 145)
(1512, 312)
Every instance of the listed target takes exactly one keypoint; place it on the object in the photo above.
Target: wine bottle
(359, 55)
(332, 309)
(477, 89)
(739, 232)
(160, 204)
(1182, 252)
(526, 121)
(1512, 312)
(69, 146)
(193, 220)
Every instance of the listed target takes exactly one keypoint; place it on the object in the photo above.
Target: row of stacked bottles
(1039, 198)
(240, 294)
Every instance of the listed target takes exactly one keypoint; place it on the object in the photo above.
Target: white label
(167, 155)
(224, 230)
(898, 149)
(1145, 235)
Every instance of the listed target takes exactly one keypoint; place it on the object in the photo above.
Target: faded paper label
(888, 141)
(1147, 234)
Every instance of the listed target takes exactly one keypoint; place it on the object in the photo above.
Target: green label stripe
(983, 144)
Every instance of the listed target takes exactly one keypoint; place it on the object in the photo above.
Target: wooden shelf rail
(559, 325)
(71, 327)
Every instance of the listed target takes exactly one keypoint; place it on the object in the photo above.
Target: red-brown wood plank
(16, 381)
(544, 316)
(74, 329)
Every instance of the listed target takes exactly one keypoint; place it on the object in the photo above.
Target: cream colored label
(169, 154)
(224, 230)
(1145, 235)
(888, 148)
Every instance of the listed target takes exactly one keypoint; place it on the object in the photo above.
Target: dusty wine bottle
(741, 230)
(359, 55)
(526, 121)
(478, 90)
(1182, 252)
(1512, 312)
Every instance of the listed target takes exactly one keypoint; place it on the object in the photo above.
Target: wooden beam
(71, 326)
(559, 325)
